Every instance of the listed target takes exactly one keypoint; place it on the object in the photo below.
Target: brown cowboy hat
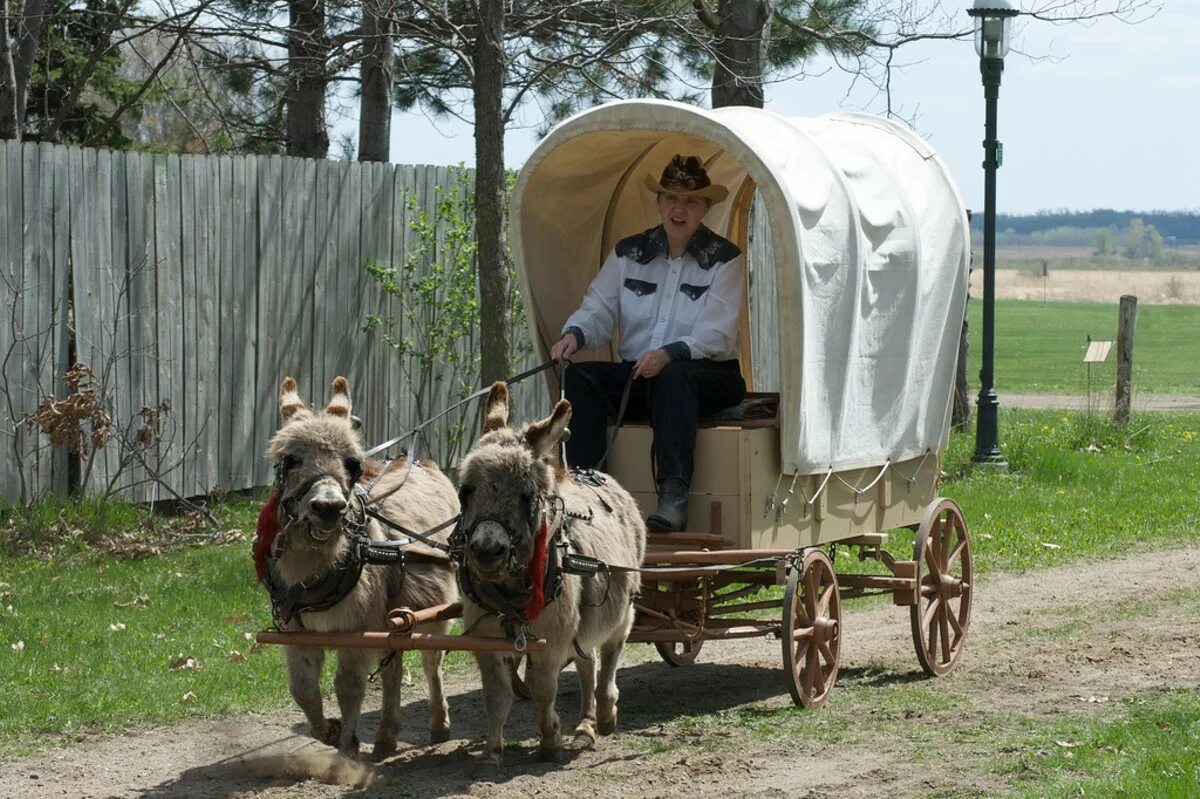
(687, 178)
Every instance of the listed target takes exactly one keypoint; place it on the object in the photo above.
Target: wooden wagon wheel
(942, 615)
(812, 621)
(679, 653)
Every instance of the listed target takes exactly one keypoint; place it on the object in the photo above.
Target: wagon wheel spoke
(935, 568)
(944, 547)
(827, 653)
(823, 605)
(810, 595)
(957, 553)
(944, 633)
(812, 666)
(931, 609)
(802, 633)
(954, 622)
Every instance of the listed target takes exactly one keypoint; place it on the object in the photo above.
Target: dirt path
(1101, 404)
(1043, 646)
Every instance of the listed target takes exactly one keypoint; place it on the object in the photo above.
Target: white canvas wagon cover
(870, 245)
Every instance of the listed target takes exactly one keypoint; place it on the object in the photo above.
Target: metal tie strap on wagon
(858, 245)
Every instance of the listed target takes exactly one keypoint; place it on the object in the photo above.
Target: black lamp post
(992, 21)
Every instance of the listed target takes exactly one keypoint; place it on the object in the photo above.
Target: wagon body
(853, 308)
(855, 297)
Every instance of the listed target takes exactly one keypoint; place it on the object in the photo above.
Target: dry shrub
(64, 420)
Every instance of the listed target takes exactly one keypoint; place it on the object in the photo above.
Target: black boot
(671, 515)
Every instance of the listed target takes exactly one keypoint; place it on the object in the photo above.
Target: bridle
(541, 578)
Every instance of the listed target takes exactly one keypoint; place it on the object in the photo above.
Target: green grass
(1080, 487)
(1040, 346)
(1152, 752)
(100, 636)
(122, 620)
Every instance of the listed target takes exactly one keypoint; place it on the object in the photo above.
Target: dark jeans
(673, 401)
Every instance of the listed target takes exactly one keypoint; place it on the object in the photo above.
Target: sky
(1099, 116)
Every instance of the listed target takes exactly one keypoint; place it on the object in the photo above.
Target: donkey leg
(350, 685)
(541, 675)
(439, 708)
(304, 681)
(606, 690)
(389, 716)
(497, 697)
(585, 732)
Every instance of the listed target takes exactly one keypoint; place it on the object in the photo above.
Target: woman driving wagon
(674, 294)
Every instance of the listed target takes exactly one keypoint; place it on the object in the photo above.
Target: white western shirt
(688, 305)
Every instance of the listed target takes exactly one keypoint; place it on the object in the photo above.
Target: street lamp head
(993, 20)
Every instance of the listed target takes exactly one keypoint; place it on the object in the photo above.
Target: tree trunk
(308, 58)
(10, 126)
(375, 111)
(32, 25)
(489, 67)
(960, 415)
(742, 37)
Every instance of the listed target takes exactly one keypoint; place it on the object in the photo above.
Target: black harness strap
(422, 537)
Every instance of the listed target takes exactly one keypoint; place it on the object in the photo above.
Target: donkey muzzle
(326, 505)
(489, 546)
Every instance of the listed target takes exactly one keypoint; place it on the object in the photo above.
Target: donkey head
(318, 458)
(504, 483)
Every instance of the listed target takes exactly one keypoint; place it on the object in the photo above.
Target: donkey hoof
(585, 737)
(607, 726)
(438, 736)
(383, 749)
(488, 768)
(550, 754)
(332, 733)
(349, 748)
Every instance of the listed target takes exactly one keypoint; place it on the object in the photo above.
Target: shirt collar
(706, 247)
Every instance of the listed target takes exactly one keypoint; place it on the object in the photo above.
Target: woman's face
(681, 215)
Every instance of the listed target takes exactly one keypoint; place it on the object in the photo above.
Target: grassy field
(1039, 348)
(92, 643)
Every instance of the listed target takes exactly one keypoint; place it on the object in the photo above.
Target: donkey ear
(339, 405)
(542, 437)
(289, 399)
(496, 415)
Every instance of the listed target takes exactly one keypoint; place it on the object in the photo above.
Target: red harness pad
(268, 528)
(537, 574)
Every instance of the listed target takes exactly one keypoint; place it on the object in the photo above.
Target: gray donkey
(521, 517)
(312, 564)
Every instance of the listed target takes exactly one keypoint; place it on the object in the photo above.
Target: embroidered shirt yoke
(687, 305)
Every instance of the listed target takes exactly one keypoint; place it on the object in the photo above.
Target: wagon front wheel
(812, 625)
(942, 615)
(678, 653)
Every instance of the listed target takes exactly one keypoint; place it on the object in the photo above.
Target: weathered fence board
(199, 282)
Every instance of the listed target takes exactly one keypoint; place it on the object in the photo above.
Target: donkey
(310, 565)
(519, 514)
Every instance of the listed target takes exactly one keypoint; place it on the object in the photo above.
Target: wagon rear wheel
(942, 615)
(812, 622)
(678, 653)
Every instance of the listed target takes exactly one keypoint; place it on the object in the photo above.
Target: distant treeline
(1176, 227)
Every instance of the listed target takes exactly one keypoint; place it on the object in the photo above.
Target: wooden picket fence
(197, 283)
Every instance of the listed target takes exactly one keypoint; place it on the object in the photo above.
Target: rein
(517, 378)
(620, 418)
